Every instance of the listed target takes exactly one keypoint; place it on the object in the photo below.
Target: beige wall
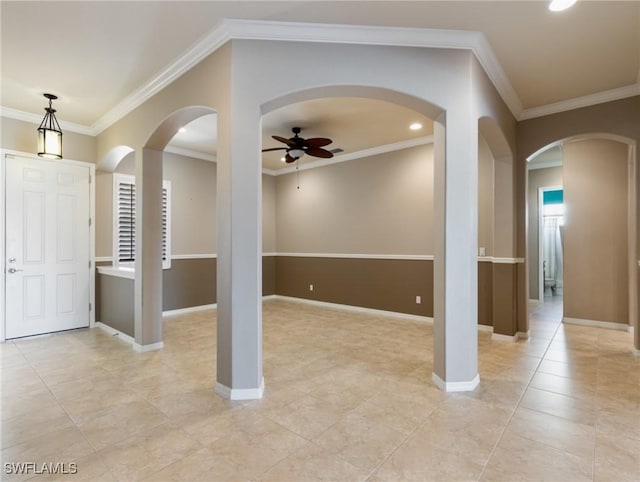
(193, 190)
(596, 280)
(485, 197)
(376, 205)
(551, 176)
(21, 136)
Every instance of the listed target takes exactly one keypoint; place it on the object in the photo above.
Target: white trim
(358, 256)
(609, 325)
(181, 151)
(190, 309)
(104, 259)
(36, 119)
(121, 272)
(455, 386)
(534, 301)
(391, 36)
(578, 102)
(151, 347)
(113, 332)
(357, 309)
(636, 352)
(240, 393)
(332, 33)
(497, 260)
(500, 337)
(270, 254)
(523, 335)
(373, 151)
(201, 49)
(485, 328)
(269, 297)
(194, 256)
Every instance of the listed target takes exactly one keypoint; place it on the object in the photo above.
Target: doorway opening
(551, 243)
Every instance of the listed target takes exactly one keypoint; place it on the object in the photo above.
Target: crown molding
(579, 102)
(396, 146)
(207, 45)
(37, 119)
(388, 36)
(333, 33)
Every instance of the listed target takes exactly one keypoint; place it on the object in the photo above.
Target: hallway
(348, 397)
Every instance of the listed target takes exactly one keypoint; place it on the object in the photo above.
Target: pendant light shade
(49, 133)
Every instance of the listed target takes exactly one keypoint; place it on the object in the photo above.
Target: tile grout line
(517, 405)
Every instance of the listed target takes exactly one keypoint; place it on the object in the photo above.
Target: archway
(598, 176)
(150, 240)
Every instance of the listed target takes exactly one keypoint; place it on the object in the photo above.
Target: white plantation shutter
(124, 217)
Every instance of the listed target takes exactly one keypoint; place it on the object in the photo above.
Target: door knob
(12, 260)
(13, 270)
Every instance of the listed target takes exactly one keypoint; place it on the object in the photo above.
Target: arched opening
(595, 242)
(160, 225)
(324, 253)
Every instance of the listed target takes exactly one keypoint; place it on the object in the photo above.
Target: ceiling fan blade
(275, 149)
(288, 159)
(284, 140)
(317, 142)
(318, 152)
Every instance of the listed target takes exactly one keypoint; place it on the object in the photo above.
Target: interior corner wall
(550, 176)
(485, 197)
(21, 136)
(596, 279)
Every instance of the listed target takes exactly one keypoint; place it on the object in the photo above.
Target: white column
(148, 264)
(239, 265)
(456, 246)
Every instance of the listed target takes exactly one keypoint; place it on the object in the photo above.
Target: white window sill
(120, 272)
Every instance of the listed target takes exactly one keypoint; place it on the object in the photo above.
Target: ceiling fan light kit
(298, 146)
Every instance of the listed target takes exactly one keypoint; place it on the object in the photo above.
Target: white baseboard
(358, 309)
(269, 297)
(609, 325)
(456, 386)
(129, 339)
(534, 301)
(190, 309)
(487, 328)
(113, 332)
(500, 337)
(636, 352)
(151, 347)
(523, 335)
(240, 393)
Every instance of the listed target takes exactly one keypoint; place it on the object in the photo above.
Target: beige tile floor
(348, 397)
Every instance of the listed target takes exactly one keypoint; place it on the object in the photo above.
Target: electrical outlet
(418, 300)
(482, 252)
(310, 287)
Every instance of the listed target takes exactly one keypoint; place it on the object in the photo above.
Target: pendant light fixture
(49, 133)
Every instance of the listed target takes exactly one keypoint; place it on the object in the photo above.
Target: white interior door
(47, 248)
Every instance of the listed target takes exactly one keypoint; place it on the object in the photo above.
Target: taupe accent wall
(551, 176)
(485, 197)
(596, 276)
(383, 284)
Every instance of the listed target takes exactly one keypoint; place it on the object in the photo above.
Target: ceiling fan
(298, 147)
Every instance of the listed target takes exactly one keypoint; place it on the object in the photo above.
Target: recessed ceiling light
(283, 159)
(416, 126)
(182, 130)
(560, 5)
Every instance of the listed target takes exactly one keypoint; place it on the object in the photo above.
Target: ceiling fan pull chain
(298, 173)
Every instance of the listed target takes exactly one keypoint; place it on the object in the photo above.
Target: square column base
(240, 393)
(456, 386)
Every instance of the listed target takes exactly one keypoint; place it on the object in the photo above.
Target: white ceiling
(95, 54)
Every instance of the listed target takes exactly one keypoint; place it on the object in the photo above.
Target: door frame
(541, 191)
(4, 153)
